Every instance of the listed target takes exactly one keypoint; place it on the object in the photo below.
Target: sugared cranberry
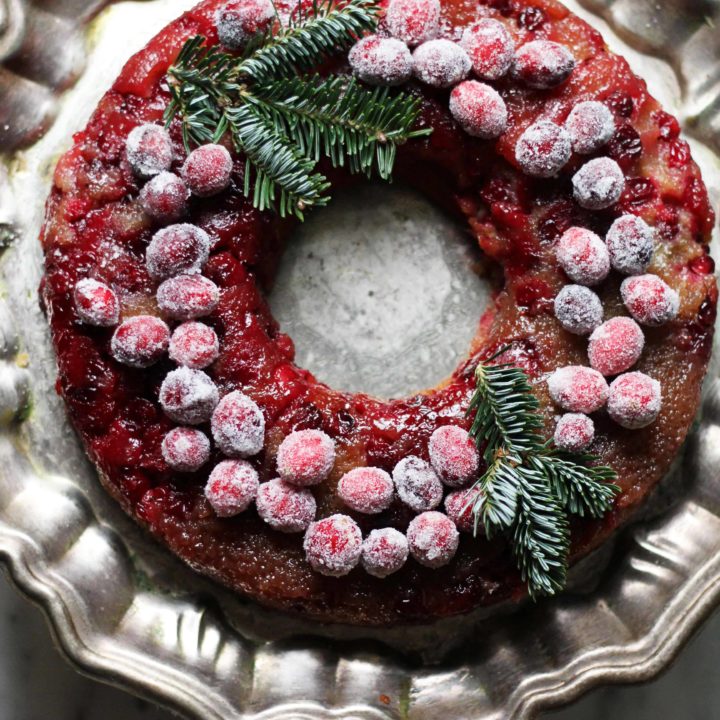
(176, 250)
(459, 508)
(598, 184)
(635, 400)
(630, 242)
(490, 47)
(433, 539)
(140, 341)
(591, 125)
(186, 297)
(574, 432)
(366, 490)
(543, 149)
(440, 63)
(207, 170)
(479, 109)
(239, 21)
(285, 507)
(615, 346)
(164, 198)
(543, 64)
(578, 389)
(454, 455)
(194, 345)
(188, 396)
(650, 300)
(413, 21)
(149, 150)
(231, 487)
(333, 545)
(384, 552)
(417, 484)
(185, 449)
(96, 303)
(583, 256)
(578, 309)
(238, 425)
(625, 146)
(306, 457)
(381, 61)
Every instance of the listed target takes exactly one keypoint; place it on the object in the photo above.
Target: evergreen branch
(496, 504)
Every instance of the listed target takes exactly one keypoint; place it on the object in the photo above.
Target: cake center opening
(380, 292)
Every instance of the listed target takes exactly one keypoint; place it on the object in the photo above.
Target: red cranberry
(635, 400)
(306, 457)
(231, 487)
(702, 265)
(578, 309)
(176, 250)
(669, 126)
(459, 508)
(578, 389)
(238, 426)
(543, 64)
(591, 125)
(543, 149)
(433, 539)
(381, 61)
(598, 184)
(366, 490)
(583, 256)
(615, 346)
(140, 341)
(185, 449)
(96, 303)
(621, 104)
(630, 243)
(574, 432)
(531, 19)
(207, 170)
(185, 297)
(188, 396)
(440, 63)
(384, 552)
(679, 154)
(413, 21)
(333, 545)
(490, 47)
(650, 300)
(164, 198)
(239, 21)
(454, 455)
(479, 110)
(625, 146)
(417, 484)
(149, 150)
(285, 507)
(638, 191)
(194, 345)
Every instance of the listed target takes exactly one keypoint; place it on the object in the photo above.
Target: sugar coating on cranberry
(543, 64)
(574, 432)
(479, 109)
(413, 21)
(417, 484)
(583, 256)
(306, 457)
(598, 184)
(241, 20)
(333, 545)
(207, 170)
(194, 345)
(433, 539)
(186, 297)
(177, 249)
(381, 61)
(591, 125)
(631, 243)
(454, 455)
(616, 346)
(285, 507)
(543, 149)
(188, 396)
(635, 400)
(185, 449)
(140, 341)
(165, 197)
(384, 552)
(459, 508)
(96, 303)
(149, 150)
(440, 63)
(231, 487)
(578, 309)
(366, 490)
(649, 299)
(578, 389)
(490, 47)
(238, 425)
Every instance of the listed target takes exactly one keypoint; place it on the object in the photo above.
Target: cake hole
(380, 292)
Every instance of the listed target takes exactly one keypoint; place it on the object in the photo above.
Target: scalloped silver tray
(126, 612)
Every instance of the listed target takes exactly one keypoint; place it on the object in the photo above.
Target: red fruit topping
(635, 400)
(459, 508)
(176, 250)
(531, 18)
(615, 346)
(381, 61)
(639, 191)
(238, 425)
(384, 552)
(574, 432)
(231, 487)
(149, 150)
(625, 146)
(164, 198)
(453, 455)
(440, 63)
(578, 389)
(543, 64)
(413, 21)
(188, 396)
(591, 125)
(333, 545)
(543, 149)
(578, 309)
(285, 507)
(490, 47)
(433, 539)
(649, 299)
(194, 345)
(185, 449)
(140, 341)
(479, 109)
(417, 484)
(366, 490)
(207, 170)
(598, 184)
(306, 457)
(630, 242)
(186, 297)
(96, 303)
(702, 265)
(621, 104)
(583, 256)
(240, 20)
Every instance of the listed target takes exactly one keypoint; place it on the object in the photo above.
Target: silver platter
(126, 612)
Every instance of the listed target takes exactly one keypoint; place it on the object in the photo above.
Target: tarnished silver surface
(127, 612)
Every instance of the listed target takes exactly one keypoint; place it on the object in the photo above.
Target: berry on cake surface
(140, 341)
(284, 507)
(333, 545)
(381, 61)
(490, 48)
(96, 303)
(185, 449)
(366, 490)
(232, 487)
(417, 484)
(306, 457)
(384, 552)
(238, 425)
